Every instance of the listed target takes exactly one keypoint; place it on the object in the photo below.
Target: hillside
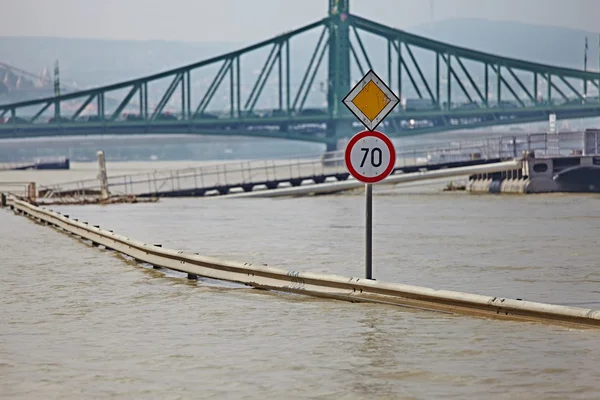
(97, 61)
(538, 43)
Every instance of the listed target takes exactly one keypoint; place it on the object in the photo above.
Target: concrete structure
(575, 174)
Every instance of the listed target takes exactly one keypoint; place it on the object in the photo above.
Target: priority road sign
(371, 100)
(370, 156)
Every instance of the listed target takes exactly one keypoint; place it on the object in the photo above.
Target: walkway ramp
(239, 177)
(398, 177)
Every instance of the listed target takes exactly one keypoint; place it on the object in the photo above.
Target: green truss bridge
(278, 88)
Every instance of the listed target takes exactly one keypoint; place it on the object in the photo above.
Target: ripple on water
(79, 322)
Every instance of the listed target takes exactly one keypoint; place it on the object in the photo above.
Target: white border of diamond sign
(371, 76)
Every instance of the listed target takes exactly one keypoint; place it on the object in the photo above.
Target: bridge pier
(339, 57)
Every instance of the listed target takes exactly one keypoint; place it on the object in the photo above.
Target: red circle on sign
(392, 162)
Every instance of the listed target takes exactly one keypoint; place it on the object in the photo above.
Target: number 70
(375, 159)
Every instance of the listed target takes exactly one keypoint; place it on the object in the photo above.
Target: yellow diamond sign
(371, 100)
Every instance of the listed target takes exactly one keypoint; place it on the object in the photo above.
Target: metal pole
(369, 231)
(585, 67)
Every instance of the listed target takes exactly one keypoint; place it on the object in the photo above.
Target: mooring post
(102, 176)
(31, 191)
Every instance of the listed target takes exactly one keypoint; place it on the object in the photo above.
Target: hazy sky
(252, 20)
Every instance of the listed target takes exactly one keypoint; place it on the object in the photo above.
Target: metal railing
(304, 167)
(591, 142)
(197, 177)
(19, 189)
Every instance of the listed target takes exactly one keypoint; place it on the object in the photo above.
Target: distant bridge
(443, 87)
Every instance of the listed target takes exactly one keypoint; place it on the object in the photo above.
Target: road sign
(371, 100)
(370, 156)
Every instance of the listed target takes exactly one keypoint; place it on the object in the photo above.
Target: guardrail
(313, 284)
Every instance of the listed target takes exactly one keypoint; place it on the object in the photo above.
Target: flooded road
(81, 322)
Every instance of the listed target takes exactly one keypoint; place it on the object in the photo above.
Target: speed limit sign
(370, 156)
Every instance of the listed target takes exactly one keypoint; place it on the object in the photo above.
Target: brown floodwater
(80, 322)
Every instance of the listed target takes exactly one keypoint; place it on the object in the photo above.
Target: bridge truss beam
(272, 89)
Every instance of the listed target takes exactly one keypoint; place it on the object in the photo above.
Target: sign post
(370, 155)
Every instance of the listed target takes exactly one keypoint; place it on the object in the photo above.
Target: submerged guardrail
(310, 283)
